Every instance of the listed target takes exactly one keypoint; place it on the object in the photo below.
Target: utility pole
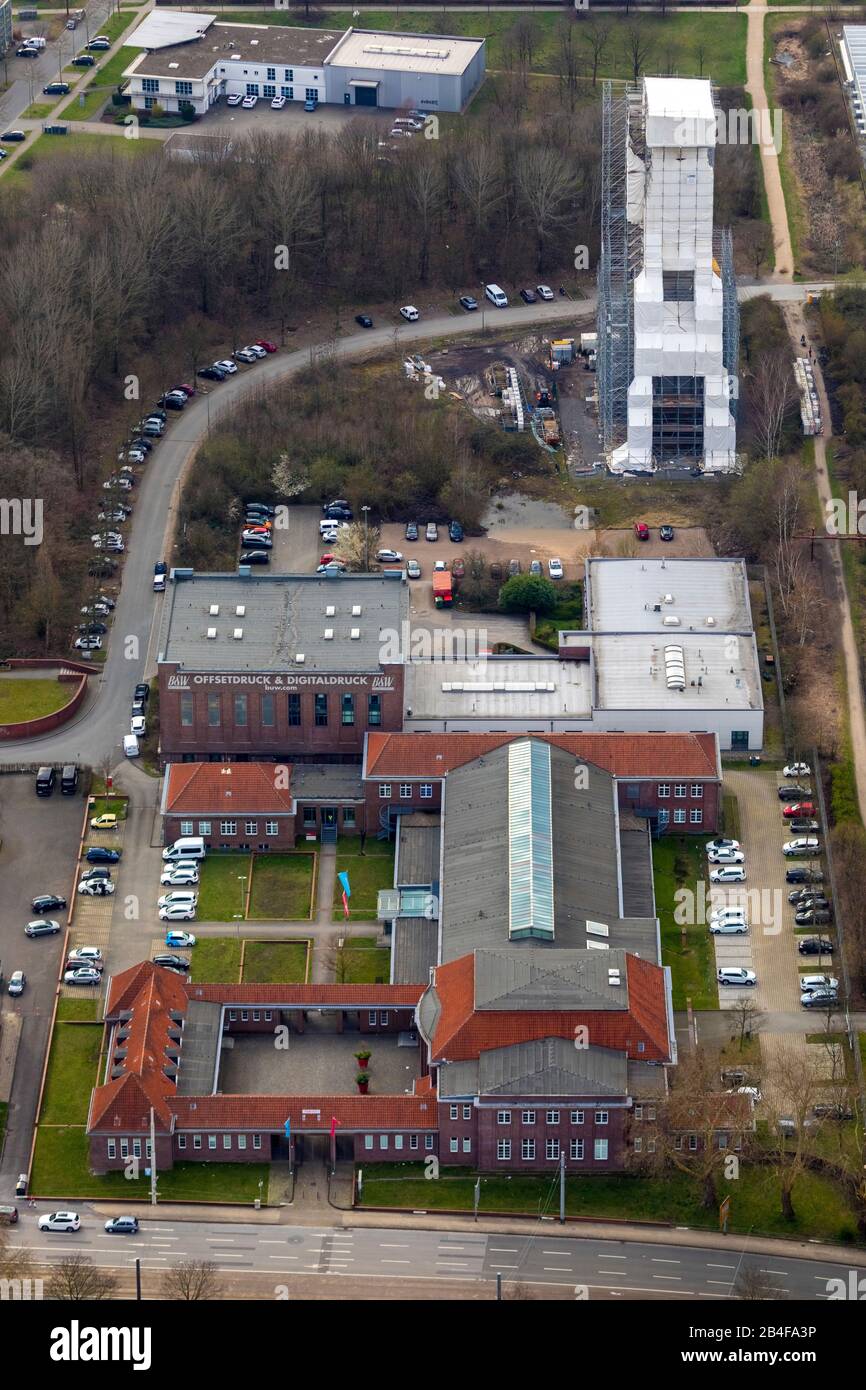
(476, 1198)
(365, 509)
(137, 1279)
(562, 1186)
(152, 1159)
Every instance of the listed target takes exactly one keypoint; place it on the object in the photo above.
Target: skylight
(530, 846)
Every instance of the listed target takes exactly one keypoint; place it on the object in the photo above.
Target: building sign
(182, 681)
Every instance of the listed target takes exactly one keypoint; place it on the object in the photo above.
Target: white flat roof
(404, 52)
(498, 689)
(721, 672)
(639, 595)
(162, 28)
(679, 96)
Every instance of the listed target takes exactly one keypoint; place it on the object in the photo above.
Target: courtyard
(318, 1062)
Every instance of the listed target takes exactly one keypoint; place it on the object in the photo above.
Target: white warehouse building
(190, 58)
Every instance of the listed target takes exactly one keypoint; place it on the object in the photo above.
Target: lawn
(108, 805)
(80, 1010)
(221, 897)
(38, 111)
(216, 960)
(282, 886)
(72, 1073)
(675, 1199)
(30, 698)
(276, 962)
(367, 874)
(77, 145)
(363, 962)
(61, 1169)
(688, 45)
(680, 862)
(105, 78)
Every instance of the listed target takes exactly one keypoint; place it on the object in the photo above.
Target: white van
(496, 296)
(130, 745)
(190, 847)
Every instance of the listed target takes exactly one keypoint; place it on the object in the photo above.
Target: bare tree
(192, 1281)
(76, 1279)
(790, 1092)
(748, 1019)
(638, 46)
(566, 60)
(772, 391)
(358, 548)
(545, 182)
(597, 34)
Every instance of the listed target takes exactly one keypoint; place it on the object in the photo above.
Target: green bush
(526, 593)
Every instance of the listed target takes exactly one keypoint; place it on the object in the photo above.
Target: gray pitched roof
(543, 979)
(547, 1067)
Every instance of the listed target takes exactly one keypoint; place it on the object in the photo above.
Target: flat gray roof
(705, 595)
(413, 950)
(630, 673)
(324, 781)
(202, 1040)
(283, 616)
(405, 52)
(499, 688)
(418, 849)
(265, 44)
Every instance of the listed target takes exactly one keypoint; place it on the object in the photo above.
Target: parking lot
(292, 120)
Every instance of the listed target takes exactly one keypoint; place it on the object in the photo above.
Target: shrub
(525, 593)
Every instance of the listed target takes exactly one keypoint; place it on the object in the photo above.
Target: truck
(443, 596)
(32, 42)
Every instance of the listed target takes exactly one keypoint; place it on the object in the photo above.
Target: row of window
(268, 710)
(228, 1139)
(406, 791)
(696, 816)
(374, 1016)
(268, 89)
(385, 1140)
(696, 789)
(528, 1117)
(552, 1150)
(251, 827)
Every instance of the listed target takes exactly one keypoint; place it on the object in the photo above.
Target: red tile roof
(216, 788)
(462, 1033)
(623, 755)
(271, 1112)
(150, 995)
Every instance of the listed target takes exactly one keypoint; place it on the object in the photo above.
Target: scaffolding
(618, 264)
(730, 316)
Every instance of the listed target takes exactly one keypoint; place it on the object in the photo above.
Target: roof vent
(238, 633)
(670, 620)
(236, 57)
(328, 634)
(330, 611)
(613, 976)
(669, 598)
(211, 634)
(356, 610)
(173, 65)
(214, 610)
(597, 929)
(299, 658)
(355, 634)
(711, 622)
(240, 610)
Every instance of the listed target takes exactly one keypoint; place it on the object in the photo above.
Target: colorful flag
(334, 1123)
(345, 906)
(344, 879)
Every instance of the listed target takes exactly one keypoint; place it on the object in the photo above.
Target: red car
(263, 343)
(185, 388)
(641, 530)
(799, 808)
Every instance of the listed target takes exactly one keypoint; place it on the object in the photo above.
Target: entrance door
(347, 98)
(329, 823)
(365, 96)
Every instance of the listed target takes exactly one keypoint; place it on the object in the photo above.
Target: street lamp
(365, 509)
(239, 916)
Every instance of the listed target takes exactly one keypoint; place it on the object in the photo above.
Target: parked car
(455, 532)
(249, 102)
(107, 821)
(96, 887)
(82, 975)
(60, 1221)
(85, 955)
(122, 1226)
(364, 320)
(536, 567)
(56, 89)
(413, 569)
(666, 533)
(641, 530)
(730, 873)
(736, 975)
(173, 400)
(17, 981)
(809, 983)
(47, 902)
(793, 792)
(179, 878)
(179, 938)
(83, 60)
(171, 962)
(268, 347)
(47, 927)
(732, 913)
(311, 104)
(805, 845)
(387, 556)
(797, 770)
(185, 388)
(736, 926)
(815, 945)
(277, 103)
(410, 313)
(804, 824)
(21, 1185)
(554, 568)
(802, 874)
(142, 690)
(808, 897)
(432, 531)
(514, 567)
(832, 1111)
(178, 912)
(234, 99)
(212, 373)
(226, 365)
(529, 296)
(726, 856)
(255, 557)
(99, 854)
(544, 292)
(411, 533)
(252, 542)
(799, 808)
(819, 999)
(468, 302)
(13, 137)
(813, 917)
(458, 568)
(246, 354)
(721, 842)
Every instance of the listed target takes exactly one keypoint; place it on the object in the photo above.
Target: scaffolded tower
(667, 311)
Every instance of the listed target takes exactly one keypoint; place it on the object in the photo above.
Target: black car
(255, 557)
(212, 373)
(47, 902)
(172, 962)
(122, 1226)
(338, 511)
(813, 918)
(101, 567)
(142, 690)
(828, 1111)
(141, 441)
(364, 320)
(172, 402)
(666, 533)
(93, 629)
(98, 854)
(800, 874)
(258, 543)
(528, 296)
(103, 875)
(13, 136)
(455, 532)
(806, 897)
(815, 946)
(803, 825)
(263, 507)
(468, 302)
(56, 89)
(158, 414)
(411, 531)
(792, 791)
(84, 60)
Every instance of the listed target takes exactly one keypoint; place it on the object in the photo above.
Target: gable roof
(220, 788)
(623, 755)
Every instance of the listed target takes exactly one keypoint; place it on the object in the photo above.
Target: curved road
(97, 732)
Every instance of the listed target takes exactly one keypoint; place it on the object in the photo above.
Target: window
(136, 1148)
(632, 790)
(527, 1149)
(664, 789)
(211, 1141)
(294, 711)
(599, 1150)
(309, 815)
(383, 1018)
(240, 711)
(272, 74)
(413, 1141)
(696, 815)
(650, 1112)
(577, 1117)
(664, 817)
(678, 1141)
(348, 817)
(679, 817)
(679, 789)
(252, 89)
(426, 791)
(228, 827)
(551, 1149)
(183, 89)
(374, 712)
(575, 1150)
(242, 1141)
(454, 1145)
(383, 1141)
(552, 1117)
(257, 1141)
(268, 1015)
(233, 1013)
(467, 1146)
(227, 1141)
(251, 827)
(288, 75)
(454, 1111)
(723, 1141)
(601, 1117)
(503, 1117)
(651, 1146)
(186, 708)
(112, 1148)
(638, 1112)
(385, 791)
(204, 827)
(269, 90)
(527, 1117)
(678, 285)
(124, 1148)
(638, 1145)
(213, 710)
(267, 711)
(311, 93)
(272, 827)
(149, 103)
(398, 1141)
(186, 827)
(371, 1019)
(147, 1152)
(196, 1141)
(503, 1150)
(428, 1141)
(467, 1112)
(181, 1141)
(405, 790)
(288, 93)
(257, 1015)
(149, 84)
(697, 788)
(347, 709)
(368, 1141)
(693, 1142)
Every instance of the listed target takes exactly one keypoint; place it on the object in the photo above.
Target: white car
(184, 897)
(226, 364)
(96, 887)
(88, 644)
(809, 983)
(234, 100)
(246, 355)
(179, 878)
(731, 873)
(249, 102)
(84, 955)
(410, 313)
(544, 292)
(177, 912)
(737, 926)
(797, 770)
(278, 103)
(736, 975)
(726, 856)
(805, 845)
(60, 1221)
(728, 914)
(257, 350)
(138, 725)
(721, 842)
(752, 1091)
(554, 568)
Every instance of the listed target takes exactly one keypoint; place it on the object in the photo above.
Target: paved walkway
(769, 159)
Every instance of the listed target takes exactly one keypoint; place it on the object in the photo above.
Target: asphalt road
(29, 75)
(460, 1257)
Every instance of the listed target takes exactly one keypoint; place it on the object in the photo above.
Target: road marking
(658, 1261)
(272, 1242)
(395, 1262)
(677, 1277)
(500, 1265)
(774, 1271)
(556, 1269)
(455, 1263)
(725, 1282)
(404, 1246)
(603, 1256)
(503, 1250)
(620, 1273)
(284, 1257)
(721, 1266)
